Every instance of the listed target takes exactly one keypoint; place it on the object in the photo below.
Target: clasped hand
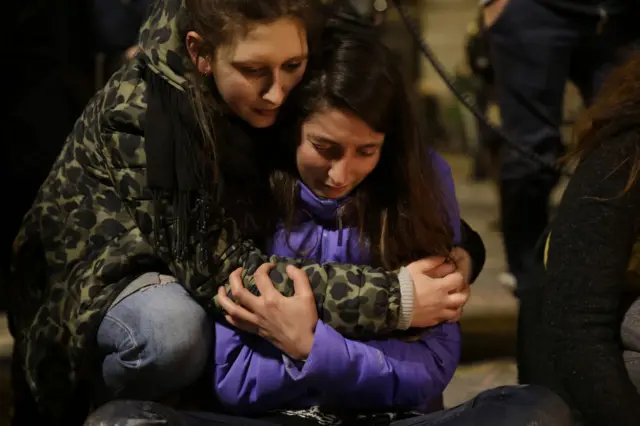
(441, 290)
(287, 322)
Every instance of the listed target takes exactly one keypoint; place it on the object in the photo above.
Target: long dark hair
(399, 208)
(616, 110)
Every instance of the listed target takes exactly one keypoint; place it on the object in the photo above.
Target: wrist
(303, 349)
(407, 298)
(463, 263)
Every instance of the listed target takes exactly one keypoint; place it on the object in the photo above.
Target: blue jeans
(155, 339)
(503, 406)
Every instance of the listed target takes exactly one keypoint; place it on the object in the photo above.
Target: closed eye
(329, 151)
(370, 152)
(251, 71)
(292, 67)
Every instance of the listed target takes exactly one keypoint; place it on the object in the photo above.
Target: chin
(260, 122)
(336, 195)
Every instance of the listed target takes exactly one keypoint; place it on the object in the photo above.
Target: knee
(179, 337)
(106, 415)
(547, 408)
(126, 413)
(155, 333)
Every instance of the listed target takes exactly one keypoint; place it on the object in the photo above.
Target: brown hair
(616, 110)
(219, 22)
(399, 208)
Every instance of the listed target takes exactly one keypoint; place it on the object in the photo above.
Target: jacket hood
(162, 44)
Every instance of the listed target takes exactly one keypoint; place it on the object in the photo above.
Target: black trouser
(505, 406)
(535, 50)
(489, 142)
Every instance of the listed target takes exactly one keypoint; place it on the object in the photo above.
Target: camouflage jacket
(90, 232)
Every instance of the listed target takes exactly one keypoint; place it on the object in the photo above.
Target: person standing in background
(537, 46)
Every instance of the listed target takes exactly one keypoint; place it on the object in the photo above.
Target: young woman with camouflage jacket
(165, 178)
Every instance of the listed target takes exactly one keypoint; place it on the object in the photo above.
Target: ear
(193, 42)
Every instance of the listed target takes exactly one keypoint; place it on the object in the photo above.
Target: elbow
(434, 381)
(234, 398)
(438, 373)
(233, 391)
(416, 392)
(426, 381)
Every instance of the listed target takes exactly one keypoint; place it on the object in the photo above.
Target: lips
(266, 112)
(337, 188)
(336, 192)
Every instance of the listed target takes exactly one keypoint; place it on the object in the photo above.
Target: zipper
(340, 228)
(603, 19)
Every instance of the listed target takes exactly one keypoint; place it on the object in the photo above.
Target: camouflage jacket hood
(163, 45)
(97, 223)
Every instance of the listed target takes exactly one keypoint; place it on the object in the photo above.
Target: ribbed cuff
(406, 299)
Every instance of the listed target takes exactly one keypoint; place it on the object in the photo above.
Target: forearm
(250, 376)
(385, 374)
(358, 301)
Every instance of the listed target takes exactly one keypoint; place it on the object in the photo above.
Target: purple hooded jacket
(252, 376)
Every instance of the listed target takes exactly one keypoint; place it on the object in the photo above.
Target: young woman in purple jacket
(353, 132)
(365, 191)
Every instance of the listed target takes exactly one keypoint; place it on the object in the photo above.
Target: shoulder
(121, 117)
(606, 171)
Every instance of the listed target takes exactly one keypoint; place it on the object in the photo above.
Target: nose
(339, 172)
(275, 93)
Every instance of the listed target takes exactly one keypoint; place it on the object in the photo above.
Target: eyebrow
(302, 57)
(262, 61)
(323, 139)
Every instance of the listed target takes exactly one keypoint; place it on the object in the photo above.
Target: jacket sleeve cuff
(323, 361)
(406, 299)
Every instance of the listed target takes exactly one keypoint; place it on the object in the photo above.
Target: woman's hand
(287, 322)
(131, 52)
(493, 11)
(440, 289)
(462, 260)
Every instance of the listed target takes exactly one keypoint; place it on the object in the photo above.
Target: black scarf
(172, 145)
(177, 164)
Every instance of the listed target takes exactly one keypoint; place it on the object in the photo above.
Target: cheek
(311, 165)
(367, 166)
(289, 81)
(234, 89)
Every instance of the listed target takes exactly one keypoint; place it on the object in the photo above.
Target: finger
(234, 310)
(301, 284)
(452, 282)
(454, 315)
(265, 268)
(465, 289)
(442, 271)
(263, 281)
(427, 264)
(235, 282)
(241, 294)
(456, 300)
(463, 261)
